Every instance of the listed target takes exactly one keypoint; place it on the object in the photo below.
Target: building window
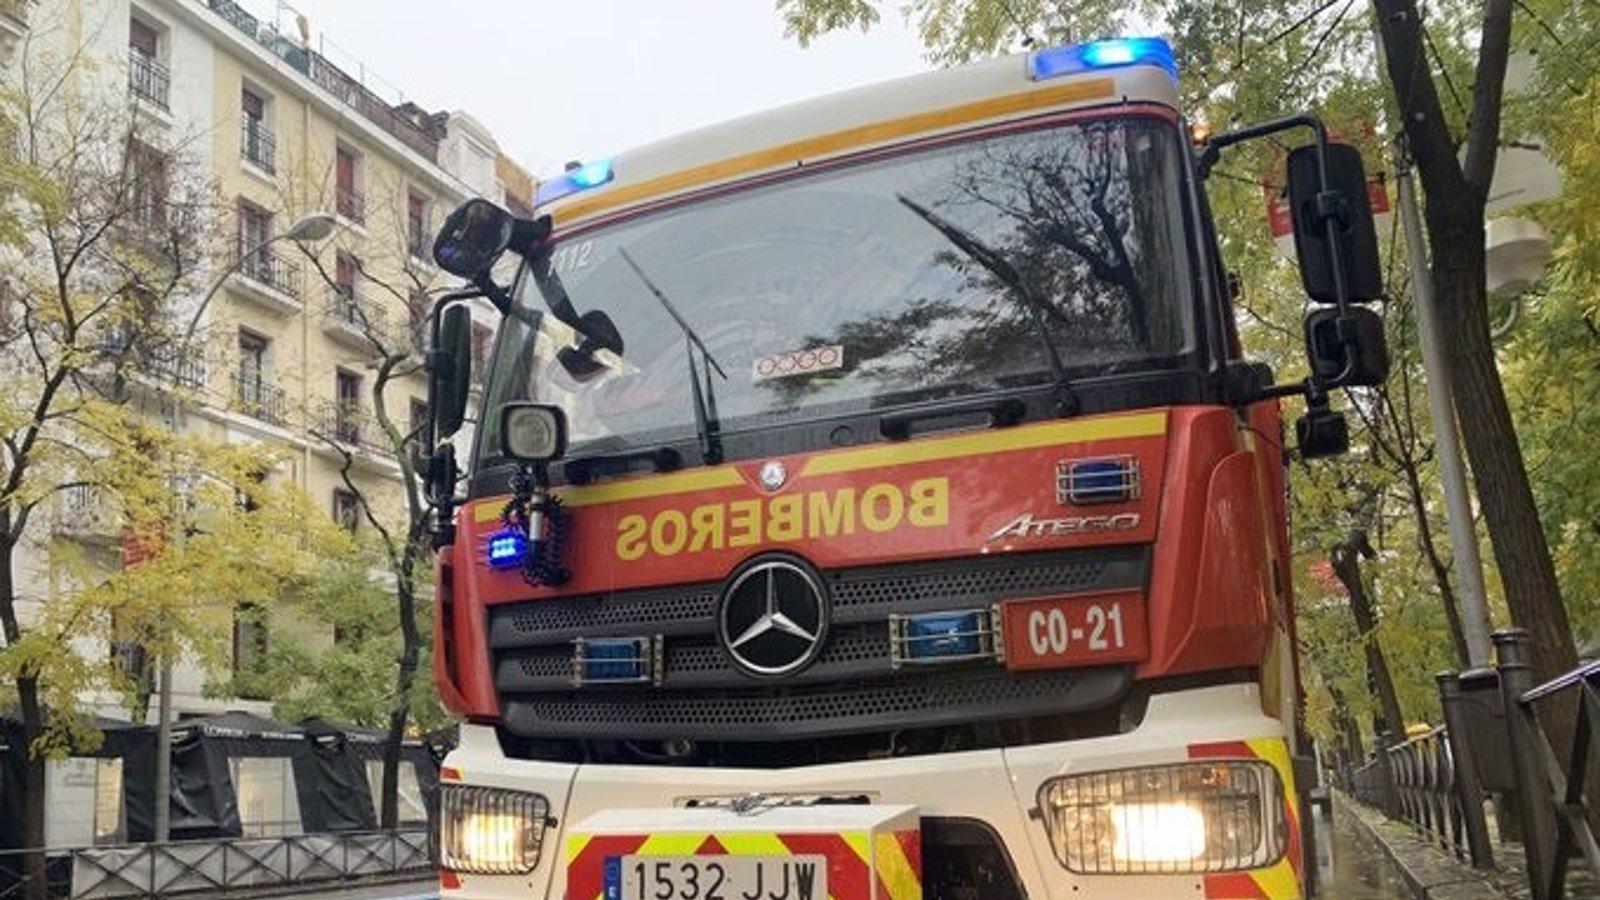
(256, 142)
(148, 78)
(346, 509)
(417, 224)
(347, 407)
(417, 319)
(255, 254)
(249, 648)
(348, 200)
(253, 391)
(147, 183)
(482, 341)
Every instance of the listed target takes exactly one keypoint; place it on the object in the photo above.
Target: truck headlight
(1212, 816)
(490, 831)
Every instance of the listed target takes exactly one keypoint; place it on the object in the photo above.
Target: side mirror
(472, 238)
(1347, 205)
(450, 371)
(533, 432)
(1348, 350)
(1321, 432)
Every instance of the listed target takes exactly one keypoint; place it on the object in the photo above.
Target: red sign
(1086, 630)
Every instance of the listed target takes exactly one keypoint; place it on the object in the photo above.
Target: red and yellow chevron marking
(1283, 880)
(850, 857)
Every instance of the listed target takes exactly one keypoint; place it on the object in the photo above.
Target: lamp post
(313, 227)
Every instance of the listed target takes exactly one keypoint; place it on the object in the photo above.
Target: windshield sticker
(569, 258)
(798, 362)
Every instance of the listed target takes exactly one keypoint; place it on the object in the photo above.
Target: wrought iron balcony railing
(263, 266)
(257, 144)
(257, 397)
(148, 79)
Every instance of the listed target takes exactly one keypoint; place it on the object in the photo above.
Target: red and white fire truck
(872, 498)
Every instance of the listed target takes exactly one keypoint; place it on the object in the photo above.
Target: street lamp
(308, 229)
(314, 227)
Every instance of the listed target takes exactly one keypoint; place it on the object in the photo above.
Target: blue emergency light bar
(943, 637)
(581, 178)
(1117, 53)
(507, 549)
(628, 660)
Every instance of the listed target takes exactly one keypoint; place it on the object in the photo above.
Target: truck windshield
(840, 292)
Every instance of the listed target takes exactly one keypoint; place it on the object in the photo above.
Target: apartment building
(333, 193)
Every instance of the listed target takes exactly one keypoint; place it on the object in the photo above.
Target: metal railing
(1550, 790)
(348, 423)
(257, 397)
(257, 143)
(148, 79)
(263, 266)
(226, 866)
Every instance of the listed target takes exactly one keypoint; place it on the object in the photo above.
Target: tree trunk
(405, 680)
(1347, 566)
(33, 777)
(1521, 552)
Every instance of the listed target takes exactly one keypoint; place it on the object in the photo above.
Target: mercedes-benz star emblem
(773, 474)
(774, 616)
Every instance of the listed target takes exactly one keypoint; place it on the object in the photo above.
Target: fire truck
(872, 498)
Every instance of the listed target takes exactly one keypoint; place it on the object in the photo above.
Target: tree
(103, 235)
(399, 532)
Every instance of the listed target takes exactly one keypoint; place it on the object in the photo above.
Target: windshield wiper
(705, 400)
(1001, 268)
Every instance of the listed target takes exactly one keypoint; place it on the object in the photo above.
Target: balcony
(356, 321)
(405, 123)
(346, 423)
(148, 80)
(257, 145)
(257, 397)
(350, 204)
(270, 280)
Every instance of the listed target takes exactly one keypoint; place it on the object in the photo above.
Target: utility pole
(1447, 442)
(163, 827)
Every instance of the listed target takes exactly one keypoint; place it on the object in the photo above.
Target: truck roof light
(1116, 53)
(581, 178)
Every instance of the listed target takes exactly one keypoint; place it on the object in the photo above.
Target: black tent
(366, 745)
(13, 758)
(205, 802)
(331, 782)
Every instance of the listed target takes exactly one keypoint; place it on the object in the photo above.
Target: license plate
(1075, 631)
(802, 877)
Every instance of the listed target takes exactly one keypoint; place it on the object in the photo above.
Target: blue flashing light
(582, 178)
(1106, 480)
(507, 549)
(1116, 53)
(614, 660)
(938, 635)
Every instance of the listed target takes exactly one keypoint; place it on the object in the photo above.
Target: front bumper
(997, 787)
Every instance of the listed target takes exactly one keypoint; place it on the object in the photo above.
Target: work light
(1210, 816)
(490, 831)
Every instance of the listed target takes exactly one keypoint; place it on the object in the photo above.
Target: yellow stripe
(997, 441)
(629, 489)
(672, 844)
(899, 879)
(838, 141)
(575, 845)
(861, 843)
(1278, 882)
(752, 843)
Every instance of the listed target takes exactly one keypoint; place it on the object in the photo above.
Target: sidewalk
(1434, 874)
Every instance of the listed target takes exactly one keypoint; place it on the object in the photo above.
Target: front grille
(851, 687)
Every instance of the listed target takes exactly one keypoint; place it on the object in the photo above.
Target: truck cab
(903, 462)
